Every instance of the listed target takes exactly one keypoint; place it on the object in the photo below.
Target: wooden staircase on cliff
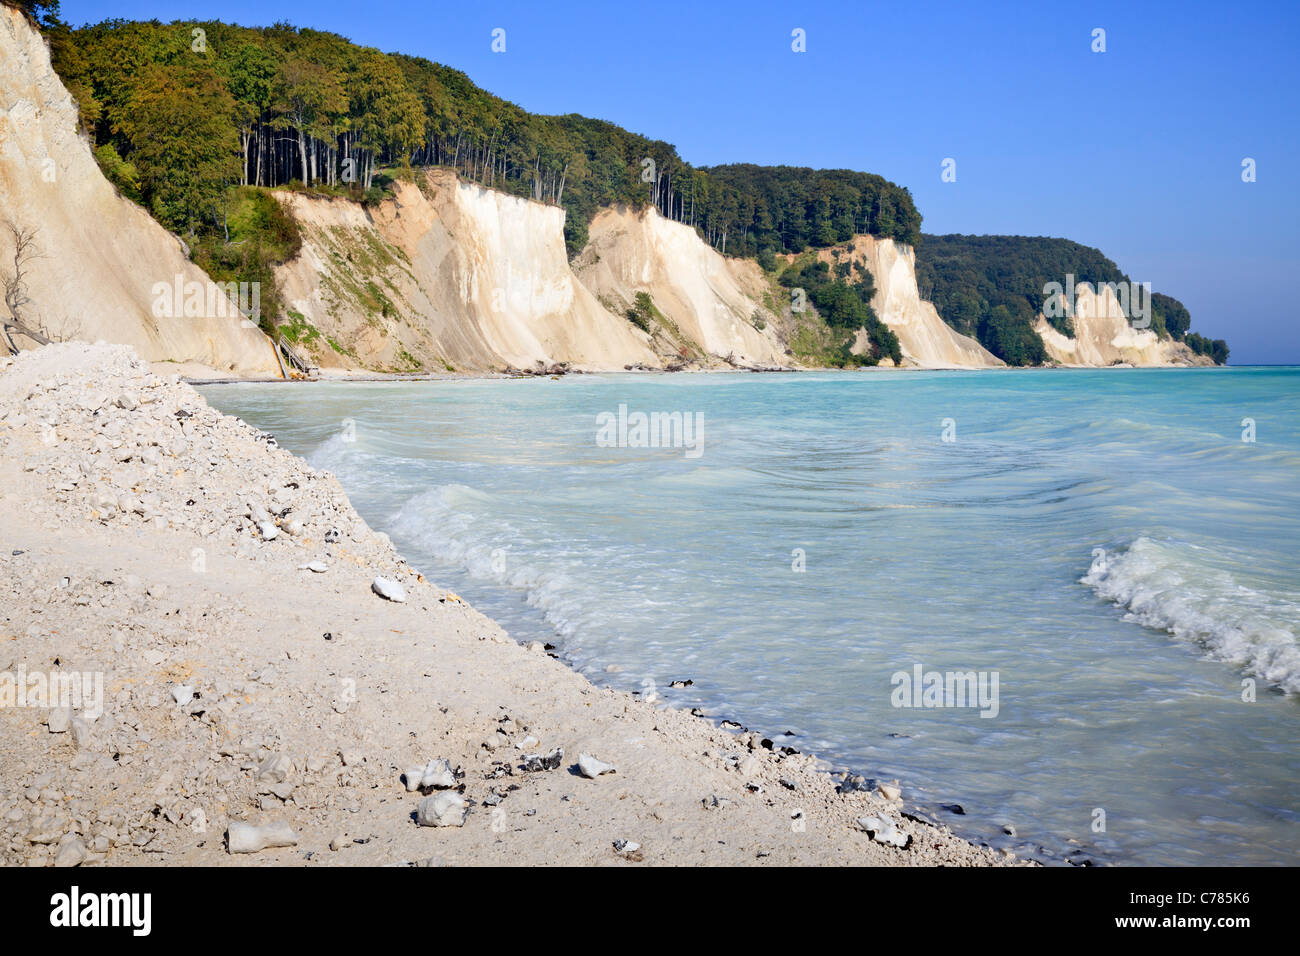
(292, 364)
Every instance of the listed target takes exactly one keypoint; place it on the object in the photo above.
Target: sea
(1060, 607)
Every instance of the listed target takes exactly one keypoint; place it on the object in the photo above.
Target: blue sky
(1136, 150)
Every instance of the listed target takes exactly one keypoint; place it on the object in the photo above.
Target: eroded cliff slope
(103, 262)
(709, 308)
(924, 338)
(449, 275)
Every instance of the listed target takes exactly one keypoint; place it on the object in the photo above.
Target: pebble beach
(277, 686)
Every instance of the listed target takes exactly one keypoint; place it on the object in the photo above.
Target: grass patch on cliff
(298, 331)
(360, 261)
(342, 349)
(843, 305)
(406, 362)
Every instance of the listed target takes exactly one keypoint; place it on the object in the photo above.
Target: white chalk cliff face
(1103, 336)
(105, 261)
(925, 339)
(710, 300)
(455, 275)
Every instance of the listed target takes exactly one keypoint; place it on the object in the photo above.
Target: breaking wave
(1178, 588)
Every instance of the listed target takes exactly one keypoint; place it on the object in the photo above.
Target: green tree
(183, 143)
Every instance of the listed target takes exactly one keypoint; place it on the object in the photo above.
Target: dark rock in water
(956, 808)
(551, 761)
(853, 782)
(681, 683)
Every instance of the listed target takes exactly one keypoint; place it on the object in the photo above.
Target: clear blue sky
(1136, 151)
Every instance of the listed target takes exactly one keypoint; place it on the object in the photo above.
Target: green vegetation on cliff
(191, 108)
(191, 119)
(845, 307)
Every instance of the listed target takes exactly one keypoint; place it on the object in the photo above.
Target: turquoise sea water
(1103, 541)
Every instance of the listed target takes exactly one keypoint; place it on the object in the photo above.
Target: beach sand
(152, 541)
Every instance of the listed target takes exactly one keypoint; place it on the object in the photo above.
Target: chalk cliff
(445, 274)
(104, 262)
(711, 307)
(1104, 336)
(925, 339)
(448, 275)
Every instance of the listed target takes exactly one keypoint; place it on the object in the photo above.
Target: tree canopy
(269, 106)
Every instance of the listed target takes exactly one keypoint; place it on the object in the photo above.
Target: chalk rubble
(883, 830)
(436, 774)
(446, 809)
(246, 838)
(388, 589)
(591, 768)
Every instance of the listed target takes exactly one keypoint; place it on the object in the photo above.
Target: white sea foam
(451, 523)
(1180, 589)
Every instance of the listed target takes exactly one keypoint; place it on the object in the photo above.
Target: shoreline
(348, 378)
(166, 547)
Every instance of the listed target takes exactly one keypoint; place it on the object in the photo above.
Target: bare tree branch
(15, 286)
